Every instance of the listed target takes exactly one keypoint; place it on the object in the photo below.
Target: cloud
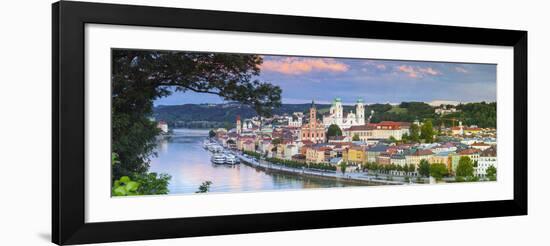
(461, 70)
(295, 66)
(374, 64)
(417, 72)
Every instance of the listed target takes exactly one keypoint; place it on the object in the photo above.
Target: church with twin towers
(344, 120)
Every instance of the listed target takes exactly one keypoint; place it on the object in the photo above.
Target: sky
(303, 79)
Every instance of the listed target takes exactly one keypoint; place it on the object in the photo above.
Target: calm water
(183, 157)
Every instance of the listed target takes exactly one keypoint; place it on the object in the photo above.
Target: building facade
(338, 117)
(486, 159)
(314, 130)
(382, 130)
(354, 155)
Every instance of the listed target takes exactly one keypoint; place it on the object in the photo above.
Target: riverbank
(348, 177)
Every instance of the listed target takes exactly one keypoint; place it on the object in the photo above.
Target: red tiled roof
(480, 144)
(359, 128)
(423, 152)
(490, 152)
(469, 151)
(307, 142)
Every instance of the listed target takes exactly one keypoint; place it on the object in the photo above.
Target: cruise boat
(218, 158)
(215, 148)
(231, 159)
(206, 144)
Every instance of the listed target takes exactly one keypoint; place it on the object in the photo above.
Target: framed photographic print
(176, 123)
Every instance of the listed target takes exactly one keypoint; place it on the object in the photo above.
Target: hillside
(216, 115)
(223, 115)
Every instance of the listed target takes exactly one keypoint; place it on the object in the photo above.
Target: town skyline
(303, 79)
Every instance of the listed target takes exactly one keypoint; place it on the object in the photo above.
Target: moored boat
(218, 158)
(231, 159)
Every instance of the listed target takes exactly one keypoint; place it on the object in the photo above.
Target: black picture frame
(68, 107)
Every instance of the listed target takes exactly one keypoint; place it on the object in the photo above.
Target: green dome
(360, 100)
(338, 99)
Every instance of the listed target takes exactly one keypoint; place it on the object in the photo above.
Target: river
(183, 157)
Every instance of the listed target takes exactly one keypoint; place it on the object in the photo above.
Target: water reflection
(183, 157)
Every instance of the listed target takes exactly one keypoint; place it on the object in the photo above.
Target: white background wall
(25, 63)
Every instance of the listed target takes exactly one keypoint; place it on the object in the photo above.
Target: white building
(296, 119)
(444, 110)
(290, 150)
(486, 159)
(163, 126)
(336, 115)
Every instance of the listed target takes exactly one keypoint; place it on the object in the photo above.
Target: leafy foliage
(465, 168)
(343, 167)
(355, 137)
(415, 133)
(204, 187)
(139, 77)
(481, 114)
(152, 183)
(438, 170)
(334, 130)
(427, 131)
(125, 187)
(298, 164)
(276, 141)
(406, 111)
(424, 168)
(492, 173)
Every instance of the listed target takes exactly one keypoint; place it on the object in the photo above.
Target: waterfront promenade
(350, 177)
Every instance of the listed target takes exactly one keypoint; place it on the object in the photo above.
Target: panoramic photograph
(190, 123)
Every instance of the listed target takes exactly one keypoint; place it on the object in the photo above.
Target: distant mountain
(220, 112)
(224, 115)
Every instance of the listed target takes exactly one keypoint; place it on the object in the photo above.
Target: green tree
(410, 168)
(276, 141)
(139, 77)
(356, 138)
(424, 168)
(465, 168)
(333, 130)
(392, 139)
(405, 138)
(204, 187)
(438, 170)
(152, 183)
(211, 133)
(427, 131)
(492, 173)
(343, 167)
(415, 135)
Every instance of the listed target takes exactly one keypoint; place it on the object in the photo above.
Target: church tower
(360, 111)
(339, 111)
(239, 126)
(312, 114)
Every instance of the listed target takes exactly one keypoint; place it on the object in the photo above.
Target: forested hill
(223, 115)
(214, 115)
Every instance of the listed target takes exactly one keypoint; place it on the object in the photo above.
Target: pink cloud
(461, 70)
(294, 66)
(416, 72)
